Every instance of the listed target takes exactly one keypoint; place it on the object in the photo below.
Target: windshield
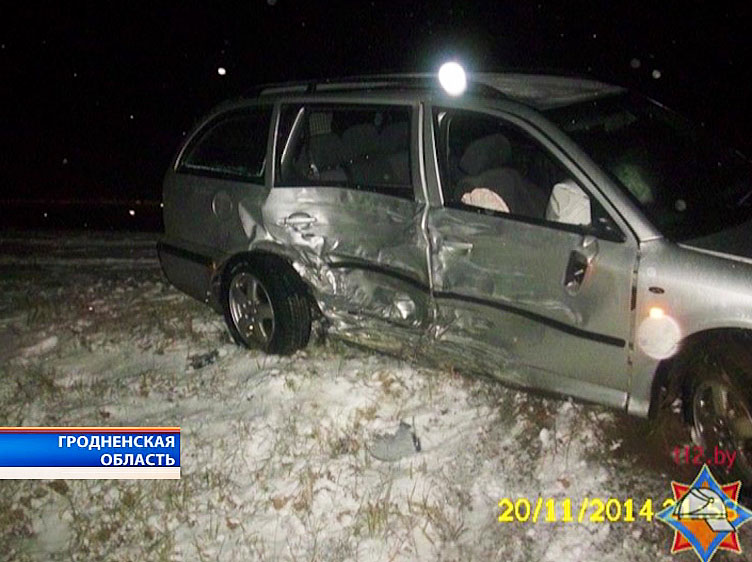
(687, 184)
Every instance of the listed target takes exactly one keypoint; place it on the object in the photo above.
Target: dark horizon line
(21, 201)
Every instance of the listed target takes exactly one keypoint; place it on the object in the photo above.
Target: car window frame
(616, 234)
(205, 128)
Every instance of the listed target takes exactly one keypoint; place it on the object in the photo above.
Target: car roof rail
(410, 81)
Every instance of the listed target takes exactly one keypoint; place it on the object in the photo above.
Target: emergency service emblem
(705, 516)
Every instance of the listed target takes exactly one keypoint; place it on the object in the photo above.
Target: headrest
(320, 123)
(486, 153)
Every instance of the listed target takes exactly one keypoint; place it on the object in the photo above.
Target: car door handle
(579, 264)
(589, 247)
(299, 221)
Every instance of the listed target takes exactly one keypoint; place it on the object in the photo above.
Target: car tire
(265, 305)
(720, 406)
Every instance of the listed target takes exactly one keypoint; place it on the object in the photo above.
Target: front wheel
(265, 306)
(720, 410)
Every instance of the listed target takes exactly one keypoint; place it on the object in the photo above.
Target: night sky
(96, 96)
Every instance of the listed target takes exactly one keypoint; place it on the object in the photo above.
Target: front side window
(233, 146)
(363, 147)
(488, 165)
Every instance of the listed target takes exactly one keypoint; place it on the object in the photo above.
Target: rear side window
(232, 146)
(362, 147)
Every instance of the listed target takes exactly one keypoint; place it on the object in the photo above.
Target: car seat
(324, 150)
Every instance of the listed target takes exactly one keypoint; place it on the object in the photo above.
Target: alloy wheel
(722, 419)
(251, 310)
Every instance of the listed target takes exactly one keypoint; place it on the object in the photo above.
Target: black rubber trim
(406, 192)
(557, 325)
(599, 233)
(381, 269)
(561, 326)
(219, 175)
(179, 252)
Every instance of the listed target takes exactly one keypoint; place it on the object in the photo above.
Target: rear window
(232, 146)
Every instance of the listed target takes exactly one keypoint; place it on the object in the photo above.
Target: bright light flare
(657, 312)
(659, 334)
(221, 71)
(452, 78)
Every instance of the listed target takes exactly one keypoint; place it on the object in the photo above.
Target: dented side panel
(500, 282)
(362, 253)
(407, 275)
(502, 305)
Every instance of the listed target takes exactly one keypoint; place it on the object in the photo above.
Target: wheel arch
(251, 256)
(673, 380)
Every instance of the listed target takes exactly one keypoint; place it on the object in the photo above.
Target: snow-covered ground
(281, 456)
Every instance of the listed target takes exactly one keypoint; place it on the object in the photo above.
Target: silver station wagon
(556, 233)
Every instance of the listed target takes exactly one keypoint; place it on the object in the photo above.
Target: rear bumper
(189, 270)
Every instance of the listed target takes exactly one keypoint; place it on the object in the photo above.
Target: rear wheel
(265, 306)
(720, 408)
